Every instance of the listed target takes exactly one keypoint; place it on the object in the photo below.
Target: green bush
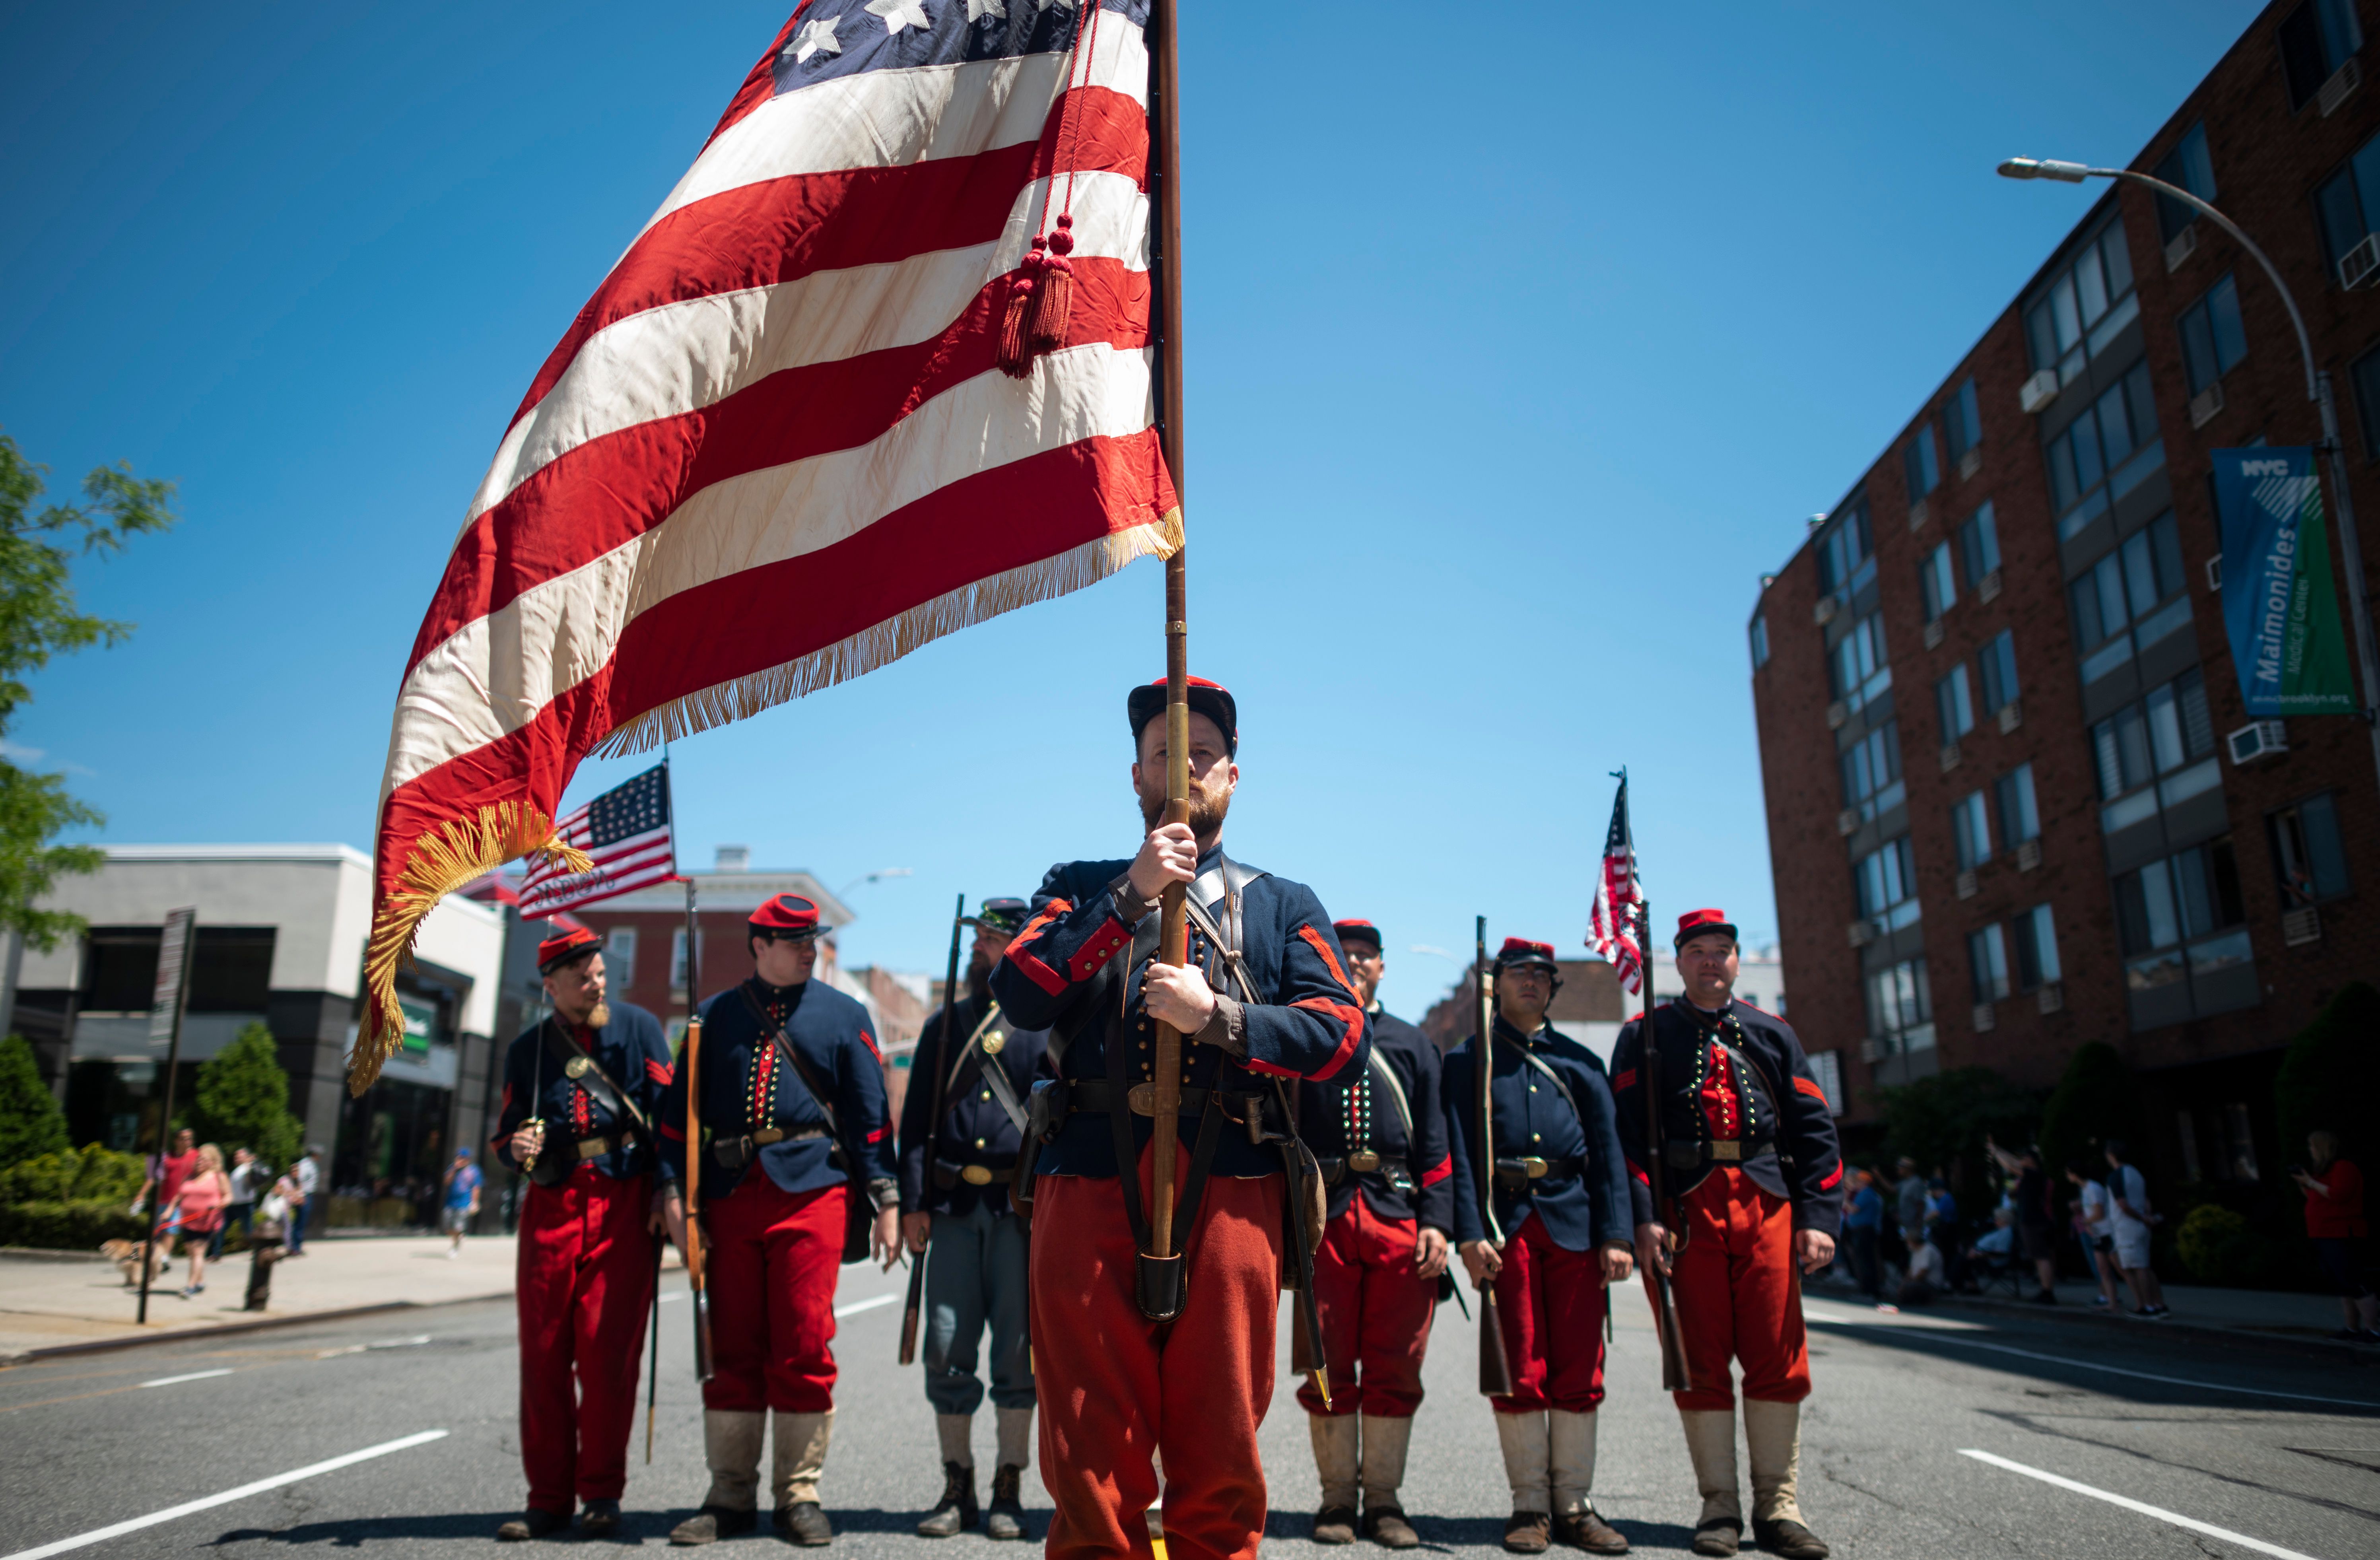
(79, 1226)
(1944, 1119)
(2220, 1247)
(2330, 1074)
(89, 1173)
(243, 1100)
(2095, 1101)
(31, 1122)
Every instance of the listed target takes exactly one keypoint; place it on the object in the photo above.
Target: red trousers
(583, 1282)
(1374, 1315)
(770, 1268)
(1736, 1293)
(1115, 1387)
(1551, 1301)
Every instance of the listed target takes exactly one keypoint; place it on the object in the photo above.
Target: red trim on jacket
(674, 1134)
(869, 1040)
(1350, 1015)
(1330, 959)
(1102, 945)
(1833, 1176)
(1810, 1086)
(1020, 951)
(1445, 1168)
(1625, 1081)
(879, 1134)
(659, 1072)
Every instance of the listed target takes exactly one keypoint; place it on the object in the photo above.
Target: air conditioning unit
(2214, 573)
(2038, 391)
(1847, 822)
(2258, 739)
(1934, 634)
(1986, 1018)
(2339, 88)
(2207, 405)
(1917, 513)
(1970, 462)
(1824, 613)
(2181, 246)
(2357, 265)
(1837, 713)
(2028, 855)
(1862, 934)
(2012, 715)
(1950, 756)
(1967, 883)
(1988, 586)
(2299, 927)
(2053, 997)
(1872, 1050)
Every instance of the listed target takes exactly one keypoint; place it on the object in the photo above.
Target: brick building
(2028, 829)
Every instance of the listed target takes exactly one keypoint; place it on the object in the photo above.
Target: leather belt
(1734, 1151)
(1095, 1096)
(596, 1148)
(947, 1175)
(1363, 1164)
(1512, 1173)
(738, 1152)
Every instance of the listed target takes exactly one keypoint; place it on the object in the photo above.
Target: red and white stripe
(635, 862)
(1611, 927)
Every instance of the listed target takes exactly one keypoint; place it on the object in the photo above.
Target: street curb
(184, 1335)
(46, 1254)
(2200, 1332)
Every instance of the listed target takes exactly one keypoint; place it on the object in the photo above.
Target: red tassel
(1016, 323)
(1055, 300)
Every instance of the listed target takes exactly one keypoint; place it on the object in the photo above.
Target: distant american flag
(1618, 895)
(625, 832)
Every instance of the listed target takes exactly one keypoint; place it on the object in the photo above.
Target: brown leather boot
(1528, 1532)
(1335, 1524)
(1586, 1529)
(1386, 1526)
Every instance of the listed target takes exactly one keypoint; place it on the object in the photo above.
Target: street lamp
(877, 876)
(2318, 390)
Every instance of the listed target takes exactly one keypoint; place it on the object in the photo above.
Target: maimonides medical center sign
(2279, 606)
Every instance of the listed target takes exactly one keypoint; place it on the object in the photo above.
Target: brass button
(978, 1142)
(1533, 1088)
(1534, 1137)
(986, 1093)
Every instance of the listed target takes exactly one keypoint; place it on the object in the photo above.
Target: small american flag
(625, 832)
(1618, 897)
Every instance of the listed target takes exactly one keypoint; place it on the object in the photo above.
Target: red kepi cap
(785, 914)
(564, 948)
(1363, 929)
(1519, 950)
(1697, 923)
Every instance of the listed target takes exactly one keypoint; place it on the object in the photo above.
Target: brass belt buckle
(769, 1135)
(975, 1176)
(1141, 1098)
(1535, 1168)
(1727, 1148)
(1363, 1160)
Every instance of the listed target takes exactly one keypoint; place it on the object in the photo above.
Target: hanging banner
(2278, 605)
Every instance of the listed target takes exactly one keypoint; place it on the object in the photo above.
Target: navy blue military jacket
(1807, 1166)
(974, 1128)
(1358, 1110)
(1305, 1022)
(1579, 1211)
(632, 1052)
(746, 1085)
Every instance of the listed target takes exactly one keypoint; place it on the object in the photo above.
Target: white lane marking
(2160, 1513)
(2140, 1375)
(100, 1535)
(414, 1342)
(193, 1376)
(869, 1304)
(667, 1298)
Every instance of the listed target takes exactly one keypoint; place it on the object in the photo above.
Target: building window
(1858, 663)
(2366, 375)
(2086, 302)
(2239, 1142)
(1979, 545)
(2020, 814)
(1937, 581)
(2156, 753)
(1760, 641)
(2104, 453)
(1922, 464)
(2130, 599)
(1952, 704)
(1987, 957)
(2307, 851)
(620, 957)
(2180, 917)
(2188, 1126)
(1900, 1006)
(1962, 422)
(1847, 549)
(232, 971)
(677, 959)
(1888, 884)
(1971, 823)
(2189, 166)
(1995, 666)
(119, 968)
(2213, 340)
(2349, 202)
(2036, 948)
(2316, 39)
(1872, 772)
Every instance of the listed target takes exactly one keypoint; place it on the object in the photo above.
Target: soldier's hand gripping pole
(1675, 1377)
(1495, 1364)
(695, 1150)
(945, 1065)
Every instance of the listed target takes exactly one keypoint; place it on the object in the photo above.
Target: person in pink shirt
(201, 1200)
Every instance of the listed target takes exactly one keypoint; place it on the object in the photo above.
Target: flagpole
(1166, 274)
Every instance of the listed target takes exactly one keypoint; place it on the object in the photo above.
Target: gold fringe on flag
(440, 862)
(883, 643)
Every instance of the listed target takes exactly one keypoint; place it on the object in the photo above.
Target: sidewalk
(49, 1303)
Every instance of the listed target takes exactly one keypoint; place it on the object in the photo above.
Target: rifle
(1675, 1376)
(653, 1377)
(695, 1150)
(942, 1066)
(1495, 1364)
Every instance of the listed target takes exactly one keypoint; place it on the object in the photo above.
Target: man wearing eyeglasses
(796, 1131)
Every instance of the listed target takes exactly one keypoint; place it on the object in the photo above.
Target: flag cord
(1040, 301)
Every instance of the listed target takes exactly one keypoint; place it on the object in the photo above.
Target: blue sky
(1520, 341)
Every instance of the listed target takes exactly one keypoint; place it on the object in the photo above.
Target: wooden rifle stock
(695, 1150)
(1674, 1374)
(1495, 1364)
(943, 1067)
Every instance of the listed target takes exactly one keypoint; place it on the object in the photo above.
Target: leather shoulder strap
(793, 1063)
(595, 1080)
(1388, 1076)
(1556, 1079)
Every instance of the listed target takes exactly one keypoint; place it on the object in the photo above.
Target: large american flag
(777, 447)
(1612, 928)
(626, 834)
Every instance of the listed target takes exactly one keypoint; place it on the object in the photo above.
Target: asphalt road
(2275, 1455)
